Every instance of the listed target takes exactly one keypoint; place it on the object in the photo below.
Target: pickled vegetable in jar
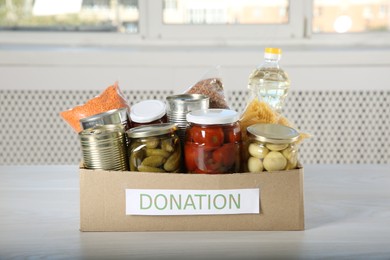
(213, 141)
(272, 147)
(154, 148)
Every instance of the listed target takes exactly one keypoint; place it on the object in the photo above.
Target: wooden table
(347, 211)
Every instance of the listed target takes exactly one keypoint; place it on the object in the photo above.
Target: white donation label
(192, 202)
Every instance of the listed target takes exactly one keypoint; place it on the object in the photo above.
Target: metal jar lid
(273, 133)
(151, 130)
(114, 116)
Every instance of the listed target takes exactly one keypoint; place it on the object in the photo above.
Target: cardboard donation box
(136, 201)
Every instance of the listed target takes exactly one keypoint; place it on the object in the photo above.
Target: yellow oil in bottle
(268, 82)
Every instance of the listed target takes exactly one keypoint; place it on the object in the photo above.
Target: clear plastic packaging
(211, 85)
(260, 112)
(111, 98)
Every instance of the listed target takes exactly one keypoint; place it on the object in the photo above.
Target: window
(162, 19)
(195, 21)
(225, 12)
(70, 15)
(221, 19)
(351, 16)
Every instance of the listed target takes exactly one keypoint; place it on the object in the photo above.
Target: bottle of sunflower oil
(268, 82)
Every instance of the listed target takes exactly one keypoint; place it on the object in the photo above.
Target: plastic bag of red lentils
(211, 85)
(111, 98)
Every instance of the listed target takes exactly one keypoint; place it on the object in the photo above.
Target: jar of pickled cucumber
(154, 148)
(213, 141)
(272, 147)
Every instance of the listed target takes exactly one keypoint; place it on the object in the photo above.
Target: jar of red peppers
(213, 141)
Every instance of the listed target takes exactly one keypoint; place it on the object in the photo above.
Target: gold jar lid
(151, 130)
(273, 133)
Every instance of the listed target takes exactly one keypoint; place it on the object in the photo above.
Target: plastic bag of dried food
(211, 86)
(111, 98)
(260, 112)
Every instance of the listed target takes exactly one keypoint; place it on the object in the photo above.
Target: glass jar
(271, 147)
(154, 148)
(213, 141)
(148, 112)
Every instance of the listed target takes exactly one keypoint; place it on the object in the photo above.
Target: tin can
(154, 148)
(180, 105)
(104, 147)
(271, 147)
(111, 117)
(148, 112)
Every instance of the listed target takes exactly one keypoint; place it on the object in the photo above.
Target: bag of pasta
(260, 112)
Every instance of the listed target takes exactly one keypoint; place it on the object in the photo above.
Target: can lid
(185, 98)
(151, 130)
(104, 114)
(101, 132)
(147, 111)
(273, 133)
(213, 116)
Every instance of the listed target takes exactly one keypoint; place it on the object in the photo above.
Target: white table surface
(347, 210)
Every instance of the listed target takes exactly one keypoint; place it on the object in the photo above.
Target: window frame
(152, 28)
(361, 39)
(153, 33)
(78, 38)
(293, 29)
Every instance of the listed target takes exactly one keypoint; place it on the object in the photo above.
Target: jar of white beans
(272, 147)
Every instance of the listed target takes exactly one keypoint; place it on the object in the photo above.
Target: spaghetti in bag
(260, 112)
(111, 98)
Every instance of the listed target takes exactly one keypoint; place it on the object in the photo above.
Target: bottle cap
(272, 53)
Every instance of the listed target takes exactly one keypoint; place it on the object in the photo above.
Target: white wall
(177, 67)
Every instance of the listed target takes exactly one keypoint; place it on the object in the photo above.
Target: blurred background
(56, 54)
